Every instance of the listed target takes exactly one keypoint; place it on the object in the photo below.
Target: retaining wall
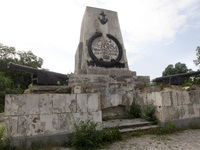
(49, 115)
(179, 106)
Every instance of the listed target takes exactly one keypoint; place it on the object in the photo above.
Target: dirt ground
(185, 140)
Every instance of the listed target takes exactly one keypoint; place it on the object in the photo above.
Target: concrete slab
(124, 123)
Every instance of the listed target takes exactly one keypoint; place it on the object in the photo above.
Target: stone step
(116, 117)
(124, 130)
(126, 123)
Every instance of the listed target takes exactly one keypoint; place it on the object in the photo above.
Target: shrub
(66, 89)
(149, 113)
(135, 111)
(169, 128)
(88, 137)
(5, 142)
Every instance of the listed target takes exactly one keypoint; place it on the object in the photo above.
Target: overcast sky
(156, 33)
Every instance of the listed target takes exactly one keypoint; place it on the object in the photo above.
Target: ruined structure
(101, 63)
(102, 86)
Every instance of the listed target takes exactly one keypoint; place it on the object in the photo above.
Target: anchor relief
(103, 18)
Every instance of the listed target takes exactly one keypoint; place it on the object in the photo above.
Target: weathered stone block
(158, 99)
(48, 122)
(10, 125)
(82, 103)
(32, 104)
(15, 104)
(182, 111)
(183, 98)
(77, 90)
(194, 97)
(169, 113)
(97, 116)
(71, 103)
(59, 103)
(93, 102)
(174, 98)
(46, 104)
(34, 125)
(151, 99)
(166, 98)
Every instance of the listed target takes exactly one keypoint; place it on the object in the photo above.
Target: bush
(5, 143)
(7, 87)
(135, 111)
(88, 137)
(149, 113)
(66, 89)
(169, 128)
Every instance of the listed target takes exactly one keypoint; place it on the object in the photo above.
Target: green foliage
(36, 145)
(149, 113)
(160, 130)
(168, 129)
(58, 82)
(7, 87)
(179, 68)
(13, 81)
(135, 111)
(88, 137)
(141, 87)
(5, 142)
(9, 54)
(66, 89)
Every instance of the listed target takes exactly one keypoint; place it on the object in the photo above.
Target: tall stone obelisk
(101, 46)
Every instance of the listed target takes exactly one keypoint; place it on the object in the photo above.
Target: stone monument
(101, 45)
(102, 86)
(101, 63)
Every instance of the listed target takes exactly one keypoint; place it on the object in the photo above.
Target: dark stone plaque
(105, 51)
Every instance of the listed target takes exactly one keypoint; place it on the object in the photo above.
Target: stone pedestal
(101, 64)
(101, 44)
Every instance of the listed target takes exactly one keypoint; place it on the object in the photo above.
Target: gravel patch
(185, 140)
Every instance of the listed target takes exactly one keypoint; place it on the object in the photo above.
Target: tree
(9, 54)
(197, 61)
(13, 81)
(179, 68)
(7, 87)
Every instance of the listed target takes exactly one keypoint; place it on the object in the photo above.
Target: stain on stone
(39, 131)
(181, 112)
(190, 110)
(72, 105)
(33, 126)
(35, 120)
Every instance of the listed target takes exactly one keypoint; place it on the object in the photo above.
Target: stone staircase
(129, 125)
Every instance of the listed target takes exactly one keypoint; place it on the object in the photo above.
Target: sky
(155, 33)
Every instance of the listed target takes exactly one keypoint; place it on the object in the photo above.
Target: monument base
(116, 90)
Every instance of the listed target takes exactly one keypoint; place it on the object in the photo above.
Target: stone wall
(49, 114)
(173, 105)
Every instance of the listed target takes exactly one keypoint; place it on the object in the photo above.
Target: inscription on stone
(104, 48)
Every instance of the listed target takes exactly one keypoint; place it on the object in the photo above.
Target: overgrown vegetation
(160, 130)
(149, 113)
(5, 142)
(87, 136)
(135, 111)
(66, 89)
